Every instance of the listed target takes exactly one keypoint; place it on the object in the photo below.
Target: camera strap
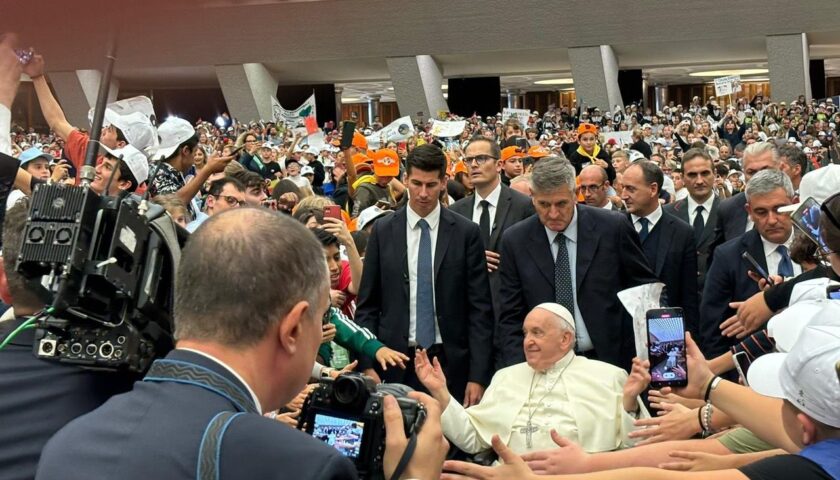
(209, 453)
(406, 457)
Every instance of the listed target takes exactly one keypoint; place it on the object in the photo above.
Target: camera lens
(348, 389)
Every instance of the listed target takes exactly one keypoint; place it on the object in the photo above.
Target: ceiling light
(444, 87)
(725, 73)
(350, 100)
(567, 89)
(390, 89)
(445, 95)
(555, 81)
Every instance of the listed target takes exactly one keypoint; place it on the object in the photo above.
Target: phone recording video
(666, 347)
(807, 219)
(332, 211)
(343, 434)
(833, 292)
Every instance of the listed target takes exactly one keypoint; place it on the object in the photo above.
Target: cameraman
(249, 352)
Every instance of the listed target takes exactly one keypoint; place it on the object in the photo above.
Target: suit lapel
(752, 242)
(445, 230)
(587, 245)
(501, 213)
(400, 242)
(540, 250)
(681, 209)
(666, 233)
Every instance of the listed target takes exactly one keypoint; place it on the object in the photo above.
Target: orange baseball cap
(386, 163)
(538, 151)
(513, 151)
(587, 128)
(359, 141)
(360, 158)
(461, 167)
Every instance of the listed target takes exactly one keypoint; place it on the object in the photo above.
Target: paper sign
(637, 301)
(621, 138)
(521, 115)
(396, 131)
(296, 117)
(127, 106)
(448, 129)
(727, 85)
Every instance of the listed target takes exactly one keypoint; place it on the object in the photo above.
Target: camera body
(347, 414)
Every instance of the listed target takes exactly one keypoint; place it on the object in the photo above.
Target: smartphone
(347, 131)
(742, 364)
(832, 292)
(383, 204)
(807, 219)
(332, 211)
(237, 150)
(666, 347)
(757, 268)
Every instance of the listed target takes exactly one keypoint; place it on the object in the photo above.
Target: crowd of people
(481, 270)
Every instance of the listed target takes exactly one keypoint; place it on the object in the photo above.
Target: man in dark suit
(39, 396)
(667, 242)
(727, 280)
(732, 219)
(425, 284)
(594, 185)
(574, 255)
(239, 354)
(700, 208)
(494, 206)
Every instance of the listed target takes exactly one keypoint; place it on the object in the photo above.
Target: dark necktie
(785, 265)
(484, 223)
(643, 233)
(564, 293)
(699, 225)
(425, 307)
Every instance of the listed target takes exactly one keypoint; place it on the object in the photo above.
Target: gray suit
(679, 209)
(512, 208)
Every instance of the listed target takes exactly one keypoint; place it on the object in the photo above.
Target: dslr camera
(347, 414)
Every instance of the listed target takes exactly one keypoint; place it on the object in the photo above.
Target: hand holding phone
(347, 131)
(332, 211)
(758, 268)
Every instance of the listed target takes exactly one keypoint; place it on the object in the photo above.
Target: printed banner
(727, 85)
(296, 117)
(448, 129)
(621, 138)
(520, 114)
(397, 131)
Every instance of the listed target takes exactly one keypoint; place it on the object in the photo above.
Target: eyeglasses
(231, 200)
(479, 159)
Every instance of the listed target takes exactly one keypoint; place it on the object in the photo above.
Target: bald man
(594, 185)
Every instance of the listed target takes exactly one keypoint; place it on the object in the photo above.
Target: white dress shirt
(492, 200)
(233, 372)
(584, 341)
(5, 130)
(653, 218)
(707, 209)
(774, 258)
(412, 236)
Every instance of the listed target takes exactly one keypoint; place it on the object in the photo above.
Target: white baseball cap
(784, 328)
(806, 376)
(136, 127)
(818, 184)
(307, 170)
(368, 215)
(636, 155)
(134, 159)
(173, 132)
(817, 144)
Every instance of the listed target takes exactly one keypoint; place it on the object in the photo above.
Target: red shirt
(344, 281)
(75, 148)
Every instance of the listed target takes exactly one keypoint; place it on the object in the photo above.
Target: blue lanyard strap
(167, 370)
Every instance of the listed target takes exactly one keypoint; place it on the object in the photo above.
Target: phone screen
(807, 219)
(666, 347)
(332, 211)
(343, 434)
(833, 292)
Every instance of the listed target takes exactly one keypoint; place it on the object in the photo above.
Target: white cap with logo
(134, 159)
(173, 132)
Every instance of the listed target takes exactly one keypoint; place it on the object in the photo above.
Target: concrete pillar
(645, 104)
(788, 59)
(595, 72)
(338, 92)
(373, 108)
(512, 99)
(661, 99)
(77, 90)
(248, 89)
(417, 85)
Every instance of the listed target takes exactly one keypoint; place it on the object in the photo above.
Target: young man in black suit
(700, 208)
(667, 242)
(494, 206)
(425, 285)
(574, 255)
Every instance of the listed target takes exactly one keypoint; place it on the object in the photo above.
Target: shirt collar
(770, 247)
(570, 232)
(559, 366)
(432, 218)
(232, 371)
(493, 198)
(707, 205)
(653, 218)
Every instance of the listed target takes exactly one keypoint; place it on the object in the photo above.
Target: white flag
(294, 117)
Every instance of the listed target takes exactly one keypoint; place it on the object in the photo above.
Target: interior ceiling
(166, 44)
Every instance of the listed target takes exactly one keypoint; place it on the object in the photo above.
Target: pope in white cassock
(589, 402)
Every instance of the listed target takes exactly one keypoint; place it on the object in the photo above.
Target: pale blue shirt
(584, 341)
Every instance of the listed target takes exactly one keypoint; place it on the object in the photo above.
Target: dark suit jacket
(676, 266)
(513, 207)
(609, 259)
(462, 296)
(155, 431)
(732, 218)
(727, 281)
(39, 397)
(679, 209)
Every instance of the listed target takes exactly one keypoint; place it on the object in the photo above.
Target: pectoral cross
(529, 429)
